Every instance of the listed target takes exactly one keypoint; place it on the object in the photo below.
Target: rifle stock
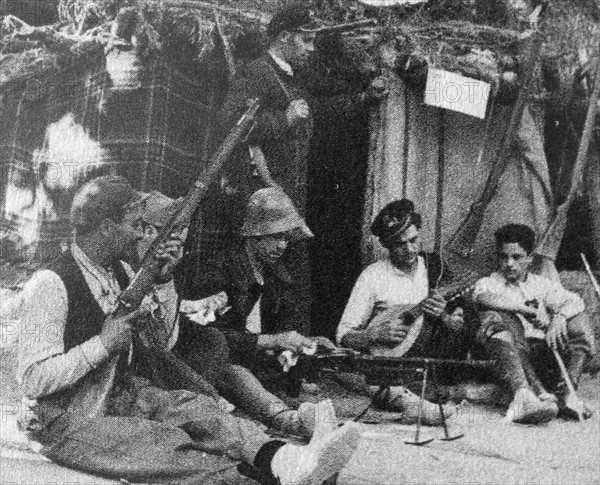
(146, 276)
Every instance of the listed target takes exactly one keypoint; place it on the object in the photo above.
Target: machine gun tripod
(390, 371)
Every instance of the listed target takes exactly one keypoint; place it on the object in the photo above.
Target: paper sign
(452, 91)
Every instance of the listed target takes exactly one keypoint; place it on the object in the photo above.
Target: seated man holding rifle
(88, 407)
(374, 320)
(525, 318)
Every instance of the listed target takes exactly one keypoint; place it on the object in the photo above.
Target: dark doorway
(336, 187)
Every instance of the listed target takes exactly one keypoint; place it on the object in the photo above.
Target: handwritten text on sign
(452, 91)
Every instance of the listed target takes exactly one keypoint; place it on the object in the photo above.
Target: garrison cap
(394, 219)
(291, 17)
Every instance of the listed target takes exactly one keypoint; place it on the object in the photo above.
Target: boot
(535, 383)
(325, 456)
(526, 407)
(400, 399)
(508, 368)
(570, 405)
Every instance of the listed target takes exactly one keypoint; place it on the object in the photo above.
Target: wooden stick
(567, 378)
(550, 243)
(590, 274)
(463, 239)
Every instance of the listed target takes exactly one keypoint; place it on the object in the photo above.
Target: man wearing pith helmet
(264, 314)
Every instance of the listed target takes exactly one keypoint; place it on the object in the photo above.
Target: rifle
(464, 238)
(145, 278)
(550, 243)
(161, 360)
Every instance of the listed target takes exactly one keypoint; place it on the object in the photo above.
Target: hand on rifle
(434, 305)
(296, 111)
(390, 333)
(169, 254)
(116, 331)
(556, 335)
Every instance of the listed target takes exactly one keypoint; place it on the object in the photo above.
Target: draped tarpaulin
(148, 121)
(432, 156)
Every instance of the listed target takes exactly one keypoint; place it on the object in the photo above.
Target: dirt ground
(492, 450)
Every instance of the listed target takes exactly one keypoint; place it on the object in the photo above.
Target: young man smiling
(524, 316)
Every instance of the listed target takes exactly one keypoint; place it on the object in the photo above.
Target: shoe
(400, 399)
(527, 408)
(325, 455)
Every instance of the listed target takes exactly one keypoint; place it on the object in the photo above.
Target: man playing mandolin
(393, 312)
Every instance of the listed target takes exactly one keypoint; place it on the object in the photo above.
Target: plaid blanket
(69, 121)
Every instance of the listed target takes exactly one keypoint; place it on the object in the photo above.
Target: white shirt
(44, 367)
(380, 286)
(253, 320)
(549, 293)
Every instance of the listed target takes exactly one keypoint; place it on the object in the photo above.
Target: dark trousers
(158, 437)
(580, 338)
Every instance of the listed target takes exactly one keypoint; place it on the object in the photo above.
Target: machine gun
(384, 372)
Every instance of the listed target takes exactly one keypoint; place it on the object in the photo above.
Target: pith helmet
(271, 211)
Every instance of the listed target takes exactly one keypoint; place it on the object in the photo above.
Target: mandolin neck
(416, 311)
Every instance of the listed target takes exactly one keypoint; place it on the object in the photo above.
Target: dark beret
(292, 16)
(394, 219)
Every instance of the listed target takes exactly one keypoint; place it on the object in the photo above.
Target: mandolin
(412, 316)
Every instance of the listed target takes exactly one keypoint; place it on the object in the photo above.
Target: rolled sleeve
(359, 308)
(563, 301)
(94, 352)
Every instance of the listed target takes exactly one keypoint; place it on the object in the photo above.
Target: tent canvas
(441, 159)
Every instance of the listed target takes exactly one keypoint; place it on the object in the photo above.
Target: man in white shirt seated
(90, 409)
(401, 279)
(524, 316)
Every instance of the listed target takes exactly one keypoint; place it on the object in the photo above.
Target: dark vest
(84, 317)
